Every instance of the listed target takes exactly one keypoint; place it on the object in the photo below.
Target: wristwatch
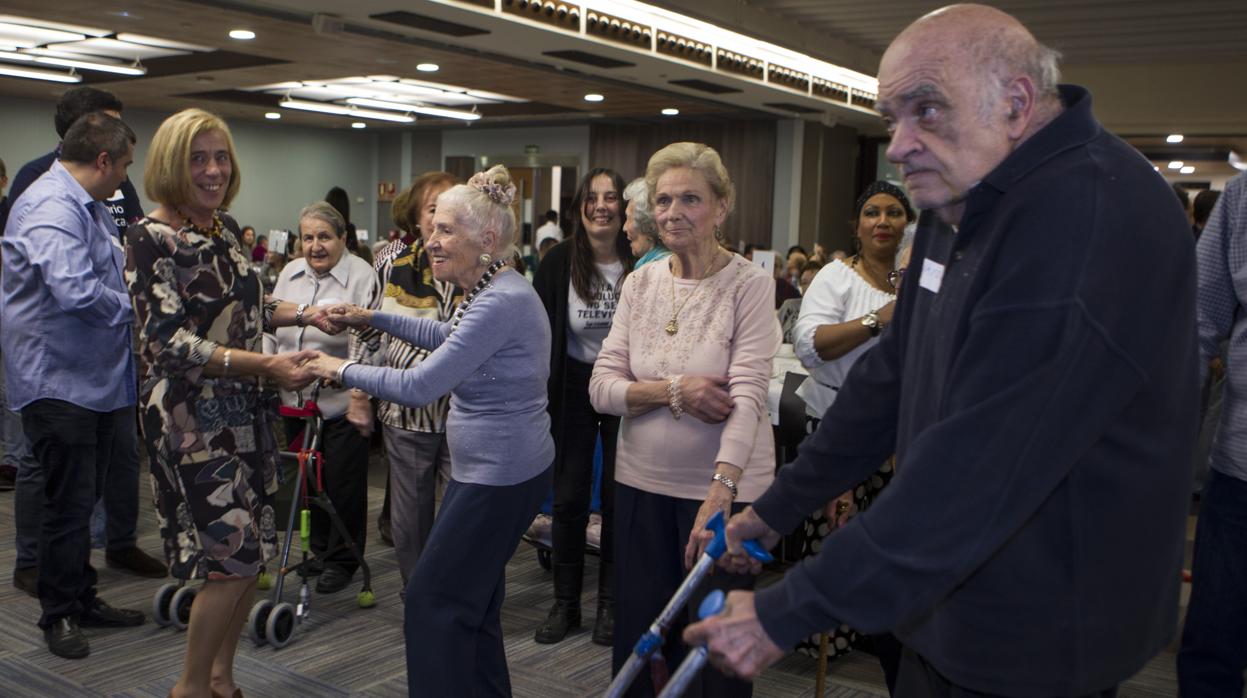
(871, 322)
(728, 482)
(298, 314)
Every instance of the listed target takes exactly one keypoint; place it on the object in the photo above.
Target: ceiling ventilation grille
(557, 14)
(682, 47)
(739, 64)
(619, 30)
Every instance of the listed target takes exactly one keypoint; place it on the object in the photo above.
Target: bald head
(992, 43)
(960, 89)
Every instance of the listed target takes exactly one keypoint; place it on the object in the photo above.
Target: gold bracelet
(226, 358)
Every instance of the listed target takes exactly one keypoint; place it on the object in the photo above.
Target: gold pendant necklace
(672, 325)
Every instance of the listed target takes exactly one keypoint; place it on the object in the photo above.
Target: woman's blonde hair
(166, 176)
(698, 157)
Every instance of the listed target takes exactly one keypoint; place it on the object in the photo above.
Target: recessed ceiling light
(427, 67)
(242, 34)
(1176, 165)
(272, 115)
(1187, 170)
(358, 124)
(1174, 138)
(670, 111)
(594, 97)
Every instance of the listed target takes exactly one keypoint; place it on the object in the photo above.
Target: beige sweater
(728, 327)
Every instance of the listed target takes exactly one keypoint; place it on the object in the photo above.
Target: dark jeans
(452, 615)
(652, 531)
(574, 443)
(73, 446)
(1214, 643)
(120, 495)
(345, 477)
(918, 679)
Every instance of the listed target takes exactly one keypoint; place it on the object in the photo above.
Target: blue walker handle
(712, 605)
(718, 546)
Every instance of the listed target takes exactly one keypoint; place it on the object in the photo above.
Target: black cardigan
(554, 273)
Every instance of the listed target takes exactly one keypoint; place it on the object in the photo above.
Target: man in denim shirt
(68, 360)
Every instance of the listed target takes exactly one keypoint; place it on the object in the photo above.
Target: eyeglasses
(895, 276)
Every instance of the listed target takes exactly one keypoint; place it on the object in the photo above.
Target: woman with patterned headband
(492, 357)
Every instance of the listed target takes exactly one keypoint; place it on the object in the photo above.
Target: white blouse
(837, 294)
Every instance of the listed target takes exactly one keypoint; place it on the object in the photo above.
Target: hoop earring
(484, 259)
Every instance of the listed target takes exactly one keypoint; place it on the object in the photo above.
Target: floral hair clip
(498, 193)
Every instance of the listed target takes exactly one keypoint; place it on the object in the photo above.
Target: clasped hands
(295, 370)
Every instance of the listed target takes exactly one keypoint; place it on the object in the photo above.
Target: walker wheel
(161, 604)
(543, 559)
(264, 581)
(366, 599)
(180, 607)
(280, 626)
(257, 621)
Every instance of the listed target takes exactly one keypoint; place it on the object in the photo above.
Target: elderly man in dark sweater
(1038, 386)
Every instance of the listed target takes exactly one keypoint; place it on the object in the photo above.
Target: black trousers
(452, 612)
(73, 445)
(574, 442)
(649, 566)
(918, 679)
(346, 482)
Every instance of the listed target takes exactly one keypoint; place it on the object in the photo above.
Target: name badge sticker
(932, 275)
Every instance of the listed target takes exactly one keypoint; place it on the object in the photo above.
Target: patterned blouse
(192, 293)
(411, 290)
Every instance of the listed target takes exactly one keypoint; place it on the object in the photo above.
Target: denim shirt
(64, 306)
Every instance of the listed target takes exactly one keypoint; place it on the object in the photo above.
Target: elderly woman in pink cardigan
(686, 364)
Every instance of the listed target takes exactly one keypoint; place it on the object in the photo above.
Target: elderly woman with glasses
(846, 306)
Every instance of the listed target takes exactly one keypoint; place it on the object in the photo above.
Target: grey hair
(478, 213)
(1003, 59)
(325, 212)
(642, 208)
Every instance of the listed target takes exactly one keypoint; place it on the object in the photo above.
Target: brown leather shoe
(137, 562)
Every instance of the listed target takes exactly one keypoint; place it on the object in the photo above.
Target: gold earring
(485, 259)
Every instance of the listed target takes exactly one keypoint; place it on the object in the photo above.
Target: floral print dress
(210, 440)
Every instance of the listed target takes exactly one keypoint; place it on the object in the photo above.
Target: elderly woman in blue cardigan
(492, 357)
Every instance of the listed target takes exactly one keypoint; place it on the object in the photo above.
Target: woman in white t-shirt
(579, 281)
(847, 305)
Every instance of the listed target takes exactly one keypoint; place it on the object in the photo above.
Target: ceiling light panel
(339, 110)
(55, 26)
(28, 37)
(38, 74)
(114, 48)
(157, 42)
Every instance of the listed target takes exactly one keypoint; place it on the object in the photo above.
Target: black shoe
(383, 528)
(27, 579)
(136, 561)
(8, 477)
(604, 626)
(333, 579)
(65, 639)
(101, 615)
(564, 616)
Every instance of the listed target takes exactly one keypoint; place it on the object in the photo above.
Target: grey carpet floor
(343, 650)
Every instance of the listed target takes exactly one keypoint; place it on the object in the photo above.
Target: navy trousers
(651, 531)
(453, 602)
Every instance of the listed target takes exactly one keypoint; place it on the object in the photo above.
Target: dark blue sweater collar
(1072, 128)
